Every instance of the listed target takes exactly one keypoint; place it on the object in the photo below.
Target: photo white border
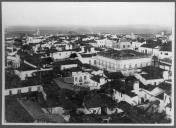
(84, 124)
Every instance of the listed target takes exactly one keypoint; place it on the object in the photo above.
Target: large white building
(123, 60)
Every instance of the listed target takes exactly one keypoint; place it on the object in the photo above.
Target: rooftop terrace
(152, 72)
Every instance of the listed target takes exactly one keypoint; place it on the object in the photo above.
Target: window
(19, 91)
(89, 61)
(10, 92)
(123, 46)
(166, 54)
(38, 88)
(29, 89)
(85, 77)
(135, 65)
(76, 78)
(94, 62)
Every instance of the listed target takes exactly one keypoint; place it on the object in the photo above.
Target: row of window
(80, 79)
(164, 53)
(19, 90)
(126, 46)
(112, 66)
(101, 46)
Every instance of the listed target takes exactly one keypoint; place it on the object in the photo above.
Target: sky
(87, 13)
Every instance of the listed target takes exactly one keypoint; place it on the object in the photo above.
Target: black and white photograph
(88, 63)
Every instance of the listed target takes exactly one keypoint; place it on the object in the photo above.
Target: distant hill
(123, 29)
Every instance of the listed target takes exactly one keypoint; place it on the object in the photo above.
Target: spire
(38, 32)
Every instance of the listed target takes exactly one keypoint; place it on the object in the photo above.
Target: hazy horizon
(118, 29)
(87, 13)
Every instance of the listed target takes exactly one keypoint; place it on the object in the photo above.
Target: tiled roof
(167, 87)
(166, 47)
(36, 112)
(152, 45)
(96, 78)
(25, 67)
(14, 112)
(124, 105)
(98, 100)
(62, 84)
(122, 54)
(124, 40)
(167, 60)
(114, 75)
(146, 87)
(88, 66)
(87, 55)
(160, 96)
(47, 60)
(152, 72)
(67, 62)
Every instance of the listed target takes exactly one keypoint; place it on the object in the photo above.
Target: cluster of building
(138, 71)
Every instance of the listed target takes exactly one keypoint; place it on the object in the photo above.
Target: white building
(13, 61)
(152, 50)
(34, 39)
(61, 54)
(124, 60)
